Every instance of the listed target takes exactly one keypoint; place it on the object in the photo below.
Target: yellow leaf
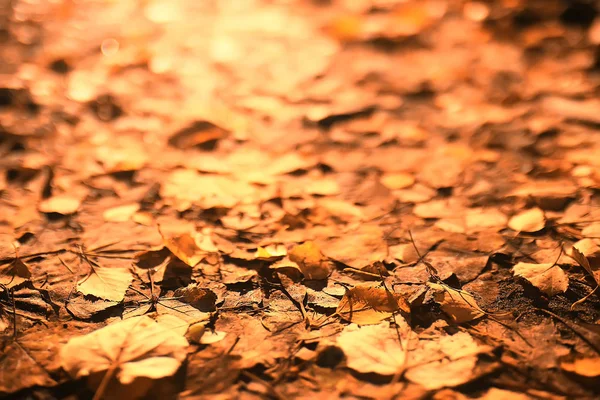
(531, 220)
(120, 213)
(312, 263)
(61, 204)
(589, 367)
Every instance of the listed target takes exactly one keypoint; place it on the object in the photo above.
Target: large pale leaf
(549, 278)
(106, 283)
(372, 349)
(531, 220)
(367, 305)
(135, 347)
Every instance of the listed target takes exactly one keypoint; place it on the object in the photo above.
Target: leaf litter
(188, 215)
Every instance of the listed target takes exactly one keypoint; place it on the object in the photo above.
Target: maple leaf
(310, 260)
(368, 305)
(549, 278)
(458, 304)
(129, 349)
(106, 283)
(531, 220)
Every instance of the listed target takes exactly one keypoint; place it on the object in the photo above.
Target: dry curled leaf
(310, 260)
(531, 220)
(133, 348)
(458, 304)
(549, 278)
(14, 273)
(106, 283)
(200, 298)
(368, 305)
(187, 247)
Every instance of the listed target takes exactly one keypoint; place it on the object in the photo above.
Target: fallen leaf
(200, 298)
(580, 253)
(270, 253)
(549, 278)
(531, 220)
(448, 361)
(372, 349)
(133, 348)
(368, 305)
(61, 204)
(186, 247)
(15, 273)
(106, 283)
(398, 180)
(458, 304)
(588, 367)
(313, 264)
(120, 213)
(197, 133)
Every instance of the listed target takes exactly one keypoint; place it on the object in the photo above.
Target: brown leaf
(14, 273)
(368, 305)
(197, 133)
(313, 264)
(200, 298)
(458, 304)
(549, 278)
(132, 348)
(531, 220)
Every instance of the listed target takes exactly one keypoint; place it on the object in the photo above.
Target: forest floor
(258, 199)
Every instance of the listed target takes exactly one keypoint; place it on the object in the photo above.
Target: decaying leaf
(531, 220)
(549, 278)
(313, 264)
(129, 349)
(372, 349)
(106, 283)
(458, 304)
(368, 305)
(588, 367)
